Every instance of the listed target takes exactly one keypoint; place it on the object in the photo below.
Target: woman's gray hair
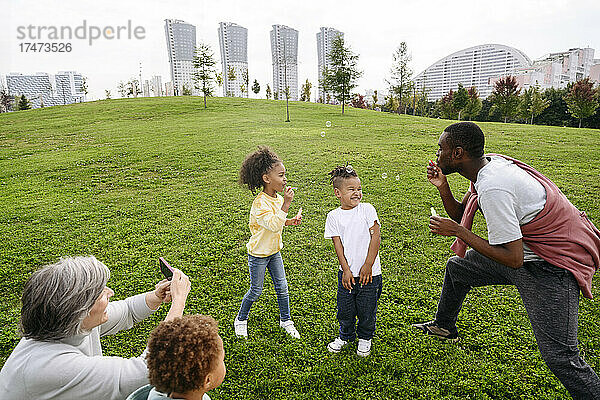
(58, 297)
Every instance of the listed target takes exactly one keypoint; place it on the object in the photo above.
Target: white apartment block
(284, 51)
(557, 70)
(595, 72)
(45, 90)
(233, 41)
(474, 66)
(181, 43)
(325, 39)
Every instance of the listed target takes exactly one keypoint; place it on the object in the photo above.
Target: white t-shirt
(352, 226)
(508, 197)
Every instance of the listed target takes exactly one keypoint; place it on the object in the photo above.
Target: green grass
(131, 180)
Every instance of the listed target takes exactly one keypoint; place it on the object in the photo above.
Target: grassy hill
(134, 179)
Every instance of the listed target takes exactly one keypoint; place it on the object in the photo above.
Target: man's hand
(443, 226)
(435, 176)
(365, 275)
(347, 279)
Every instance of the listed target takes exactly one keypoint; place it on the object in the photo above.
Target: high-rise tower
(325, 40)
(181, 42)
(284, 50)
(233, 41)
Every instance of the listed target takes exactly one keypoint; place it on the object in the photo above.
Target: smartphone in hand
(165, 268)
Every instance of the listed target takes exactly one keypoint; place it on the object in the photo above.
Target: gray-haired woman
(65, 311)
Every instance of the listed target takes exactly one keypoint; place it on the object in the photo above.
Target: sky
(432, 30)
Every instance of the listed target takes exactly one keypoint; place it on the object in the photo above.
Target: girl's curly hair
(341, 172)
(181, 352)
(255, 166)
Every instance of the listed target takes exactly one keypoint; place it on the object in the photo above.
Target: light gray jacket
(74, 368)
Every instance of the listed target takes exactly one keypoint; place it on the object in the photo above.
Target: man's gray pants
(551, 297)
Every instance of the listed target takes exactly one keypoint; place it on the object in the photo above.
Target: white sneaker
(364, 347)
(290, 328)
(336, 345)
(241, 328)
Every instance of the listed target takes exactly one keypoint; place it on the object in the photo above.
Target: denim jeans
(361, 303)
(551, 297)
(258, 267)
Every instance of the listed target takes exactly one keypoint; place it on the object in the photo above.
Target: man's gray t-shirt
(508, 198)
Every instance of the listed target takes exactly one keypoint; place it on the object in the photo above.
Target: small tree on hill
(446, 105)
(268, 92)
(186, 90)
(358, 101)
(460, 99)
(204, 70)
(6, 101)
(219, 78)
(400, 83)
(256, 87)
(246, 80)
(505, 97)
(23, 103)
(305, 91)
(107, 94)
(230, 78)
(375, 98)
(582, 99)
(340, 78)
(122, 89)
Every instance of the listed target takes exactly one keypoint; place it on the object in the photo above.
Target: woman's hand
(162, 291)
(180, 286)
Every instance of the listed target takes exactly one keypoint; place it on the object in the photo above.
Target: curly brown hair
(255, 166)
(181, 352)
(340, 173)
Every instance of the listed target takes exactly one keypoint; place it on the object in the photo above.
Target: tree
(230, 78)
(220, 79)
(422, 103)
(186, 90)
(582, 99)
(84, 86)
(133, 88)
(375, 98)
(340, 78)
(557, 112)
(122, 89)
(107, 94)
(6, 101)
(268, 92)
(243, 88)
(400, 83)
(305, 91)
(391, 103)
(538, 103)
(505, 96)
(256, 87)
(473, 107)
(446, 106)
(358, 101)
(525, 103)
(276, 95)
(246, 80)
(460, 99)
(204, 70)
(23, 103)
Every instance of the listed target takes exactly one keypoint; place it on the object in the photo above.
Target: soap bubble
(384, 175)
(323, 134)
(397, 177)
(328, 124)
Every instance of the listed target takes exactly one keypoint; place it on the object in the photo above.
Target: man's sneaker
(336, 345)
(241, 328)
(364, 347)
(290, 328)
(431, 328)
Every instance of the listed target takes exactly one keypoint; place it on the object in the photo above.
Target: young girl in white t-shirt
(354, 229)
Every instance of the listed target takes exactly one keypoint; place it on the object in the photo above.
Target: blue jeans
(361, 302)
(258, 266)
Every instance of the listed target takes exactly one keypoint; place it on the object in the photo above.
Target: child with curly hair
(354, 229)
(264, 170)
(185, 359)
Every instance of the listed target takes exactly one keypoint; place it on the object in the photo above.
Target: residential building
(46, 90)
(156, 86)
(233, 41)
(169, 91)
(325, 39)
(595, 72)
(471, 67)
(284, 51)
(146, 88)
(181, 43)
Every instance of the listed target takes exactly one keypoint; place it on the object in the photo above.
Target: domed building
(471, 67)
